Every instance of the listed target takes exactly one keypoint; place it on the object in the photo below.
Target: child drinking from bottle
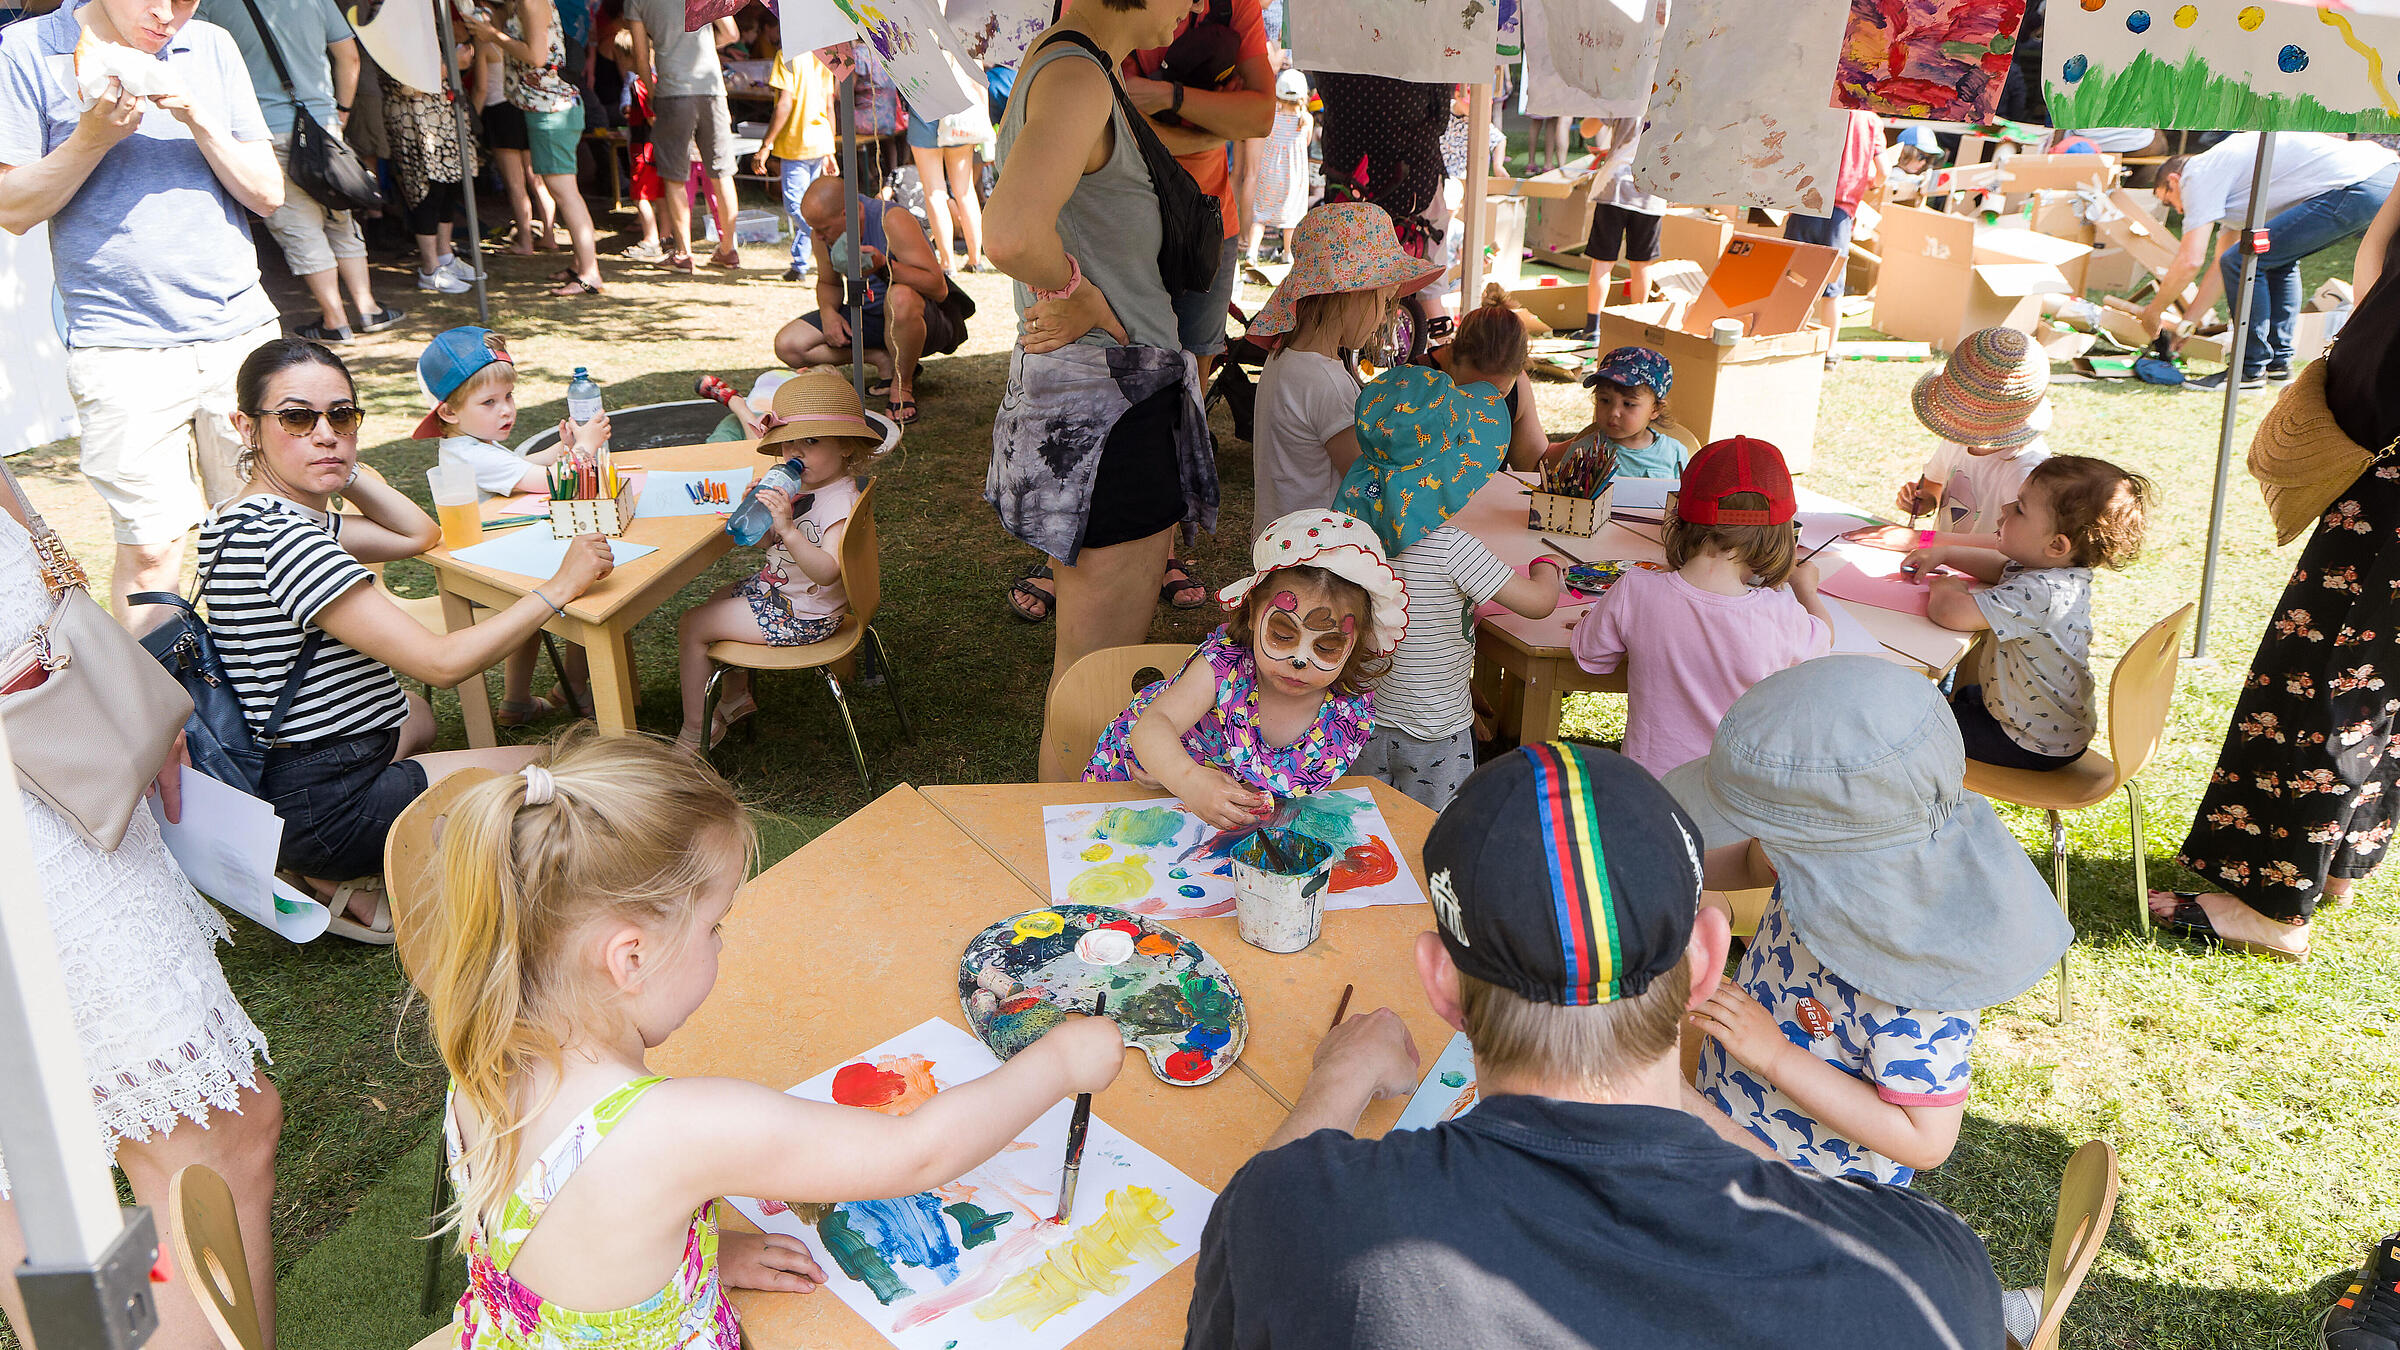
(821, 429)
(472, 383)
(1278, 701)
(583, 904)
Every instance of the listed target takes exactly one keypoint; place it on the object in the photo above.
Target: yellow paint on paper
(1088, 1262)
(1096, 853)
(2250, 18)
(2374, 57)
(1110, 883)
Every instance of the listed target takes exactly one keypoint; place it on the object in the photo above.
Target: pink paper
(1900, 594)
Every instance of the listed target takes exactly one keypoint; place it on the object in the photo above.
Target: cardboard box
(1503, 240)
(2311, 330)
(1769, 387)
(1690, 235)
(1558, 214)
(1559, 304)
(1943, 277)
(2021, 175)
(2149, 244)
(1767, 284)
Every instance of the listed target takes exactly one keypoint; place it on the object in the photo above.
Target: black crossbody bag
(1191, 237)
(322, 163)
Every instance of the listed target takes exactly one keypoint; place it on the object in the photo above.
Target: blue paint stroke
(907, 1231)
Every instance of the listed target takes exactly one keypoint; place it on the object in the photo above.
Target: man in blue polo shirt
(1587, 1199)
(144, 199)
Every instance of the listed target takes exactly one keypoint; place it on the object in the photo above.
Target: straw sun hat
(1342, 246)
(1988, 393)
(818, 402)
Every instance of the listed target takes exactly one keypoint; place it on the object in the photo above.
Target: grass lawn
(2243, 1097)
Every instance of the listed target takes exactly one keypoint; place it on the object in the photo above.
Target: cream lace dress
(162, 1036)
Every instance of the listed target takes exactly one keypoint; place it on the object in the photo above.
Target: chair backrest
(862, 565)
(2142, 692)
(412, 878)
(1091, 694)
(206, 1237)
(2087, 1200)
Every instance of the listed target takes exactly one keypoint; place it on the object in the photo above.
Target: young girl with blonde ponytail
(581, 905)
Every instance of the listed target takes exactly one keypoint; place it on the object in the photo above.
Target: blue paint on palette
(2138, 21)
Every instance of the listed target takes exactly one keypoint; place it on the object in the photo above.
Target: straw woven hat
(1987, 393)
(1342, 246)
(2302, 459)
(817, 402)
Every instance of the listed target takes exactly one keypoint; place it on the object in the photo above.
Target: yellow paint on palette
(1042, 923)
(2250, 18)
(1088, 1262)
(2185, 16)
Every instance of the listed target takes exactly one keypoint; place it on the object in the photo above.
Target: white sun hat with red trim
(1343, 545)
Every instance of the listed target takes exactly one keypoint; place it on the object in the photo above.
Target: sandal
(879, 389)
(648, 253)
(2190, 919)
(732, 263)
(1023, 595)
(902, 410)
(376, 934)
(727, 721)
(516, 714)
(1172, 588)
(577, 287)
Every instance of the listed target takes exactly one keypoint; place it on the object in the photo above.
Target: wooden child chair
(862, 581)
(206, 1241)
(2087, 1200)
(1091, 694)
(2141, 692)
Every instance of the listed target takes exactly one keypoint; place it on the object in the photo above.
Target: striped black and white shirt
(279, 570)
(1448, 573)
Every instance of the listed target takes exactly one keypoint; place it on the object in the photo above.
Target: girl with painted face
(1278, 701)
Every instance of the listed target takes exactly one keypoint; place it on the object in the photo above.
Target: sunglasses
(344, 418)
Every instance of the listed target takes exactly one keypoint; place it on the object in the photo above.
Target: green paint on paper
(1145, 827)
(975, 1226)
(1329, 817)
(2151, 93)
(858, 1258)
(1453, 1078)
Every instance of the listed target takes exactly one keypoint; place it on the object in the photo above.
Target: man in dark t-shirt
(1585, 1200)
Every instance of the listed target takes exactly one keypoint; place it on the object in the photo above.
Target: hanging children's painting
(1591, 58)
(1512, 30)
(979, 1262)
(1157, 859)
(919, 53)
(1740, 116)
(997, 32)
(1429, 41)
(2221, 65)
(1946, 60)
(806, 25)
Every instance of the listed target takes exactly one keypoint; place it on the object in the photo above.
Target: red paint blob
(1126, 926)
(1368, 864)
(1187, 1066)
(865, 1085)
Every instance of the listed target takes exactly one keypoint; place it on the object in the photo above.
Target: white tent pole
(1479, 166)
(466, 140)
(2252, 243)
(845, 116)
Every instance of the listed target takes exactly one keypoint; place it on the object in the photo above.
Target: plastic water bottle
(583, 397)
(751, 520)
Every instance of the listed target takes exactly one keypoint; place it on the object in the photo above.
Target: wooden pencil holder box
(602, 515)
(1578, 516)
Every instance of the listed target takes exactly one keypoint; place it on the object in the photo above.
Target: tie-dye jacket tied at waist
(1055, 418)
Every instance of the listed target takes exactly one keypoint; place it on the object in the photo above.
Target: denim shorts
(338, 800)
(1200, 315)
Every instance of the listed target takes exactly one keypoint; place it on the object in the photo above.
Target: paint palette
(1171, 1001)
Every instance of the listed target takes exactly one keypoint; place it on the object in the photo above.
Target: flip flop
(1022, 594)
(376, 934)
(1171, 588)
(2190, 919)
(882, 390)
(903, 411)
(575, 288)
(526, 713)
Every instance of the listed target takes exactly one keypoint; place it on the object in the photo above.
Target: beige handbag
(2302, 460)
(91, 715)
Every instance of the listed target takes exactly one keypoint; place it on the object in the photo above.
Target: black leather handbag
(322, 163)
(1191, 239)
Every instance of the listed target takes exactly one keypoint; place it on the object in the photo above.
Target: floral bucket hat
(1342, 246)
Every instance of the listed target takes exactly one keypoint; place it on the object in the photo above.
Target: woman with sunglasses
(311, 643)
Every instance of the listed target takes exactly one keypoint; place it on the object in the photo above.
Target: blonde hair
(1335, 310)
(632, 831)
(1587, 1049)
(1765, 549)
(484, 378)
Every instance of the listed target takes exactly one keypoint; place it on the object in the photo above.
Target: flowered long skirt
(2304, 789)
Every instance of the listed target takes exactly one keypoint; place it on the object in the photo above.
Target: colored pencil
(1076, 1128)
(497, 522)
(1344, 1005)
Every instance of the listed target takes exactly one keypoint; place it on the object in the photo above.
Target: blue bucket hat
(1632, 366)
(1424, 446)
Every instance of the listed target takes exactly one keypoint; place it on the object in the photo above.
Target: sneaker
(649, 253)
(2279, 373)
(443, 282)
(2215, 384)
(795, 274)
(2367, 1315)
(318, 332)
(455, 266)
(386, 317)
(2021, 1313)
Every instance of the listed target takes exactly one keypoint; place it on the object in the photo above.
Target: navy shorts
(1988, 742)
(338, 800)
(1832, 231)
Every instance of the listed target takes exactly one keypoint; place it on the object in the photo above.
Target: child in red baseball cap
(1733, 609)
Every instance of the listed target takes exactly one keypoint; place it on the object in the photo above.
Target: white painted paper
(807, 25)
(404, 41)
(1741, 116)
(2223, 65)
(226, 844)
(1429, 41)
(997, 32)
(1154, 857)
(919, 53)
(1591, 58)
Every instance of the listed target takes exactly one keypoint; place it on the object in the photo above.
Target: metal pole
(466, 142)
(1479, 174)
(845, 118)
(2253, 242)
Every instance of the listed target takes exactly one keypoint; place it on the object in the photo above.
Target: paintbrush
(1076, 1129)
(1343, 1006)
(1562, 552)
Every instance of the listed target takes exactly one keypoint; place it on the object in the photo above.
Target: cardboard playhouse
(2121, 226)
(1768, 380)
(1945, 276)
(1558, 210)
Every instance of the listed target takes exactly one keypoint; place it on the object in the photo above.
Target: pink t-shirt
(1694, 652)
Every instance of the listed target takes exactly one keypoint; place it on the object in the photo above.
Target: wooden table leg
(612, 680)
(474, 696)
(1537, 714)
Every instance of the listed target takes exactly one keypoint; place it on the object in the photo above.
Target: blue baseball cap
(1632, 366)
(448, 361)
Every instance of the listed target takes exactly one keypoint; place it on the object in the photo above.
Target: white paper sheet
(972, 1236)
(226, 844)
(997, 32)
(529, 551)
(667, 494)
(1591, 58)
(1155, 857)
(807, 25)
(1642, 494)
(1447, 1090)
(404, 40)
(1429, 41)
(1741, 117)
